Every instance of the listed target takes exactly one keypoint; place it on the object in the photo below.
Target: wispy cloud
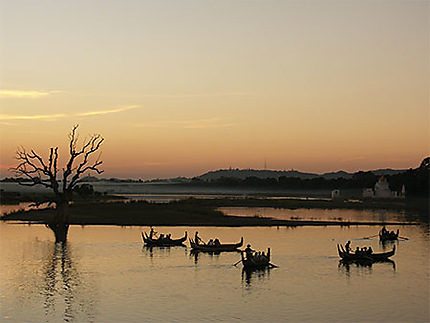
(8, 124)
(32, 117)
(101, 112)
(212, 123)
(50, 117)
(25, 94)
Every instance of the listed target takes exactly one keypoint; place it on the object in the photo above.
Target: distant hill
(244, 173)
(235, 173)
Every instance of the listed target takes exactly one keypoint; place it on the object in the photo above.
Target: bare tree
(33, 170)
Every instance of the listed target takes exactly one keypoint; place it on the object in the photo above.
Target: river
(105, 274)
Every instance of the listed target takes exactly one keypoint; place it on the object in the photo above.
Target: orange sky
(180, 88)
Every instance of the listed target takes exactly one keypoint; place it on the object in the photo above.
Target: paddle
(404, 238)
(272, 265)
(237, 262)
(375, 235)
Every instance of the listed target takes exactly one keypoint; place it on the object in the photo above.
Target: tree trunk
(60, 223)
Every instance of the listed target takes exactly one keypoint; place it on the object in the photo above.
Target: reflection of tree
(66, 294)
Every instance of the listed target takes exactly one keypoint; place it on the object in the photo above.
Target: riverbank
(190, 212)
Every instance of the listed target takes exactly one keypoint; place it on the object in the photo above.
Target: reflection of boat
(363, 256)
(388, 235)
(256, 261)
(248, 274)
(365, 264)
(163, 241)
(216, 248)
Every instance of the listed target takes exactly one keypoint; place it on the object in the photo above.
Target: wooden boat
(388, 235)
(256, 262)
(163, 242)
(363, 256)
(216, 248)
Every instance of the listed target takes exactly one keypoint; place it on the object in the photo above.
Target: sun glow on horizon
(316, 86)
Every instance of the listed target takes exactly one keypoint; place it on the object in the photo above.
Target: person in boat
(263, 255)
(384, 230)
(348, 246)
(217, 242)
(248, 252)
(152, 233)
(357, 250)
(211, 242)
(197, 239)
(369, 250)
(169, 236)
(161, 237)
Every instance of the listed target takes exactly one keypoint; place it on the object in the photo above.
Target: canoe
(165, 242)
(256, 262)
(213, 248)
(389, 236)
(364, 256)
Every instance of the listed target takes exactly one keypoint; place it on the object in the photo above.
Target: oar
(404, 238)
(272, 265)
(371, 236)
(237, 262)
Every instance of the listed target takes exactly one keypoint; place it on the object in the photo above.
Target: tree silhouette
(33, 170)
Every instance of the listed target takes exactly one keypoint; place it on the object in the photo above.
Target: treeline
(416, 181)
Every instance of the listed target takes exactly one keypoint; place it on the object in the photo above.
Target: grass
(189, 212)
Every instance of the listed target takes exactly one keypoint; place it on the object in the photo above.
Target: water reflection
(250, 274)
(64, 289)
(345, 265)
(388, 244)
(149, 250)
(196, 254)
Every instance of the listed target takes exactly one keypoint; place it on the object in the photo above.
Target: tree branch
(32, 166)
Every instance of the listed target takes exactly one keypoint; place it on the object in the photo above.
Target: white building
(382, 190)
(335, 194)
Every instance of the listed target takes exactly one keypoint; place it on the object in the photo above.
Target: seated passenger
(216, 242)
(211, 242)
(248, 251)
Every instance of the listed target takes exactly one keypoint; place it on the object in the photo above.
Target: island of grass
(196, 212)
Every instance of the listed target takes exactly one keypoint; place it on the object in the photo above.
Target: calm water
(106, 275)
(323, 214)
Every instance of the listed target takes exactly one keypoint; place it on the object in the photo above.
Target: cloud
(24, 94)
(50, 117)
(8, 124)
(102, 112)
(32, 117)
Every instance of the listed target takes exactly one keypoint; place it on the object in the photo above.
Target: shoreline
(196, 212)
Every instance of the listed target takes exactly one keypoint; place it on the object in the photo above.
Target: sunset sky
(178, 88)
